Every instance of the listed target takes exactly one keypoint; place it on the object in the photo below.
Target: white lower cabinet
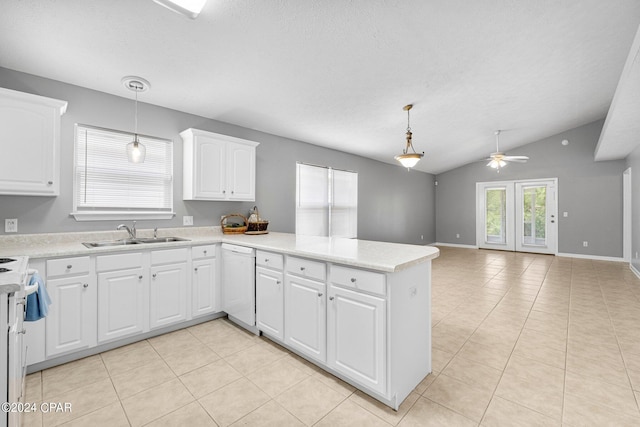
(71, 322)
(203, 287)
(168, 287)
(270, 302)
(356, 345)
(204, 273)
(305, 327)
(124, 302)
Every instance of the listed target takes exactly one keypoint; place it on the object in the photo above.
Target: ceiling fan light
(189, 8)
(136, 151)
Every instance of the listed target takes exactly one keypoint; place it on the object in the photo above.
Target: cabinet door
(356, 337)
(269, 302)
(203, 287)
(31, 126)
(168, 294)
(209, 172)
(241, 175)
(123, 307)
(305, 317)
(71, 322)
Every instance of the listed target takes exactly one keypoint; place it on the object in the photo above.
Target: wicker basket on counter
(233, 228)
(255, 224)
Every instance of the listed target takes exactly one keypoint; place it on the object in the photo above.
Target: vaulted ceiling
(337, 73)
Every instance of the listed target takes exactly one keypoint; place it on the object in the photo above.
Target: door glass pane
(534, 214)
(495, 227)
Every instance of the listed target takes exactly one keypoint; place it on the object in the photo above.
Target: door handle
(330, 298)
(320, 294)
(86, 285)
(154, 275)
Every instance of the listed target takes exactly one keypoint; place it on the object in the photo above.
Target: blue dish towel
(38, 302)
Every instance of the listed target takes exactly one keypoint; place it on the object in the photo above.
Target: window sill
(123, 215)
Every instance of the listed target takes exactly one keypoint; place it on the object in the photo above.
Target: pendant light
(136, 151)
(409, 159)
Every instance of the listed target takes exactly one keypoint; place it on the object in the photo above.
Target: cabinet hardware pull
(204, 252)
(302, 268)
(24, 331)
(330, 298)
(50, 182)
(140, 277)
(319, 294)
(266, 260)
(278, 282)
(195, 269)
(86, 285)
(154, 275)
(69, 267)
(232, 192)
(224, 191)
(353, 280)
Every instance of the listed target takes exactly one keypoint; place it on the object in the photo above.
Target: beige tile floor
(518, 339)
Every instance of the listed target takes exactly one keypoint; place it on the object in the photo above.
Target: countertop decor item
(255, 224)
(409, 159)
(233, 227)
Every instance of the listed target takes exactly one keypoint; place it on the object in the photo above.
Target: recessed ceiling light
(188, 8)
(565, 142)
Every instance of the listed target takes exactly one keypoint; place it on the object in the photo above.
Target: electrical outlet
(585, 243)
(187, 220)
(421, 237)
(11, 225)
(457, 236)
(565, 214)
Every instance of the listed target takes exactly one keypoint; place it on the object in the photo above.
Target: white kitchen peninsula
(358, 309)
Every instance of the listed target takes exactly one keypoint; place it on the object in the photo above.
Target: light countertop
(380, 256)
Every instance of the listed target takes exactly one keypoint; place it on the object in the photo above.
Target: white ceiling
(337, 73)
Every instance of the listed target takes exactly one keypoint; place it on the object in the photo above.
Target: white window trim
(106, 215)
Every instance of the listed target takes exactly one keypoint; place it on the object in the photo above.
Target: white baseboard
(635, 270)
(593, 257)
(454, 245)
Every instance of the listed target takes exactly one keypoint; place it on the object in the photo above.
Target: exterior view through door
(517, 215)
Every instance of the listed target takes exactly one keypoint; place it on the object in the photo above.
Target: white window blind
(107, 186)
(326, 202)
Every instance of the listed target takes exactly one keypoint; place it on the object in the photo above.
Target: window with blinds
(326, 201)
(107, 186)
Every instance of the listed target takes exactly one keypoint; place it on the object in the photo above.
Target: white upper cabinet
(218, 167)
(30, 137)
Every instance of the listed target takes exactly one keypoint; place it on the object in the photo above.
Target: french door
(517, 215)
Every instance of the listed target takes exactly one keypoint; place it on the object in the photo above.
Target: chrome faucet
(131, 231)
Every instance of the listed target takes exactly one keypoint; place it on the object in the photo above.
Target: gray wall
(393, 204)
(591, 192)
(633, 161)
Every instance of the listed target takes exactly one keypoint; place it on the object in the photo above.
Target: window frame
(119, 213)
(327, 207)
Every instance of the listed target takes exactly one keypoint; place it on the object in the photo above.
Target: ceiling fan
(499, 159)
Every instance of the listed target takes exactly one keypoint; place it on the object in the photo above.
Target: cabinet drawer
(206, 251)
(68, 266)
(306, 268)
(270, 260)
(119, 261)
(168, 256)
(363, 280)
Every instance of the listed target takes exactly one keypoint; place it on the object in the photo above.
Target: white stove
(13, 280)
(13, 270)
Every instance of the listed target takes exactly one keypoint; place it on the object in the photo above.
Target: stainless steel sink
(139, 241)
(161, 239)
(111, 243)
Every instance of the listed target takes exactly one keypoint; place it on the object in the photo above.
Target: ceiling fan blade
(514, 158)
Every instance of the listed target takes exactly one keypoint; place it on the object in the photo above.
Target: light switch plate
(187, 220)
(11, 225)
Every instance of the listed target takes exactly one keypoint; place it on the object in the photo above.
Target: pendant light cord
(136, 113)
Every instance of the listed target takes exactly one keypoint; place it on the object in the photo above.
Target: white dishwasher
(239, 285)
